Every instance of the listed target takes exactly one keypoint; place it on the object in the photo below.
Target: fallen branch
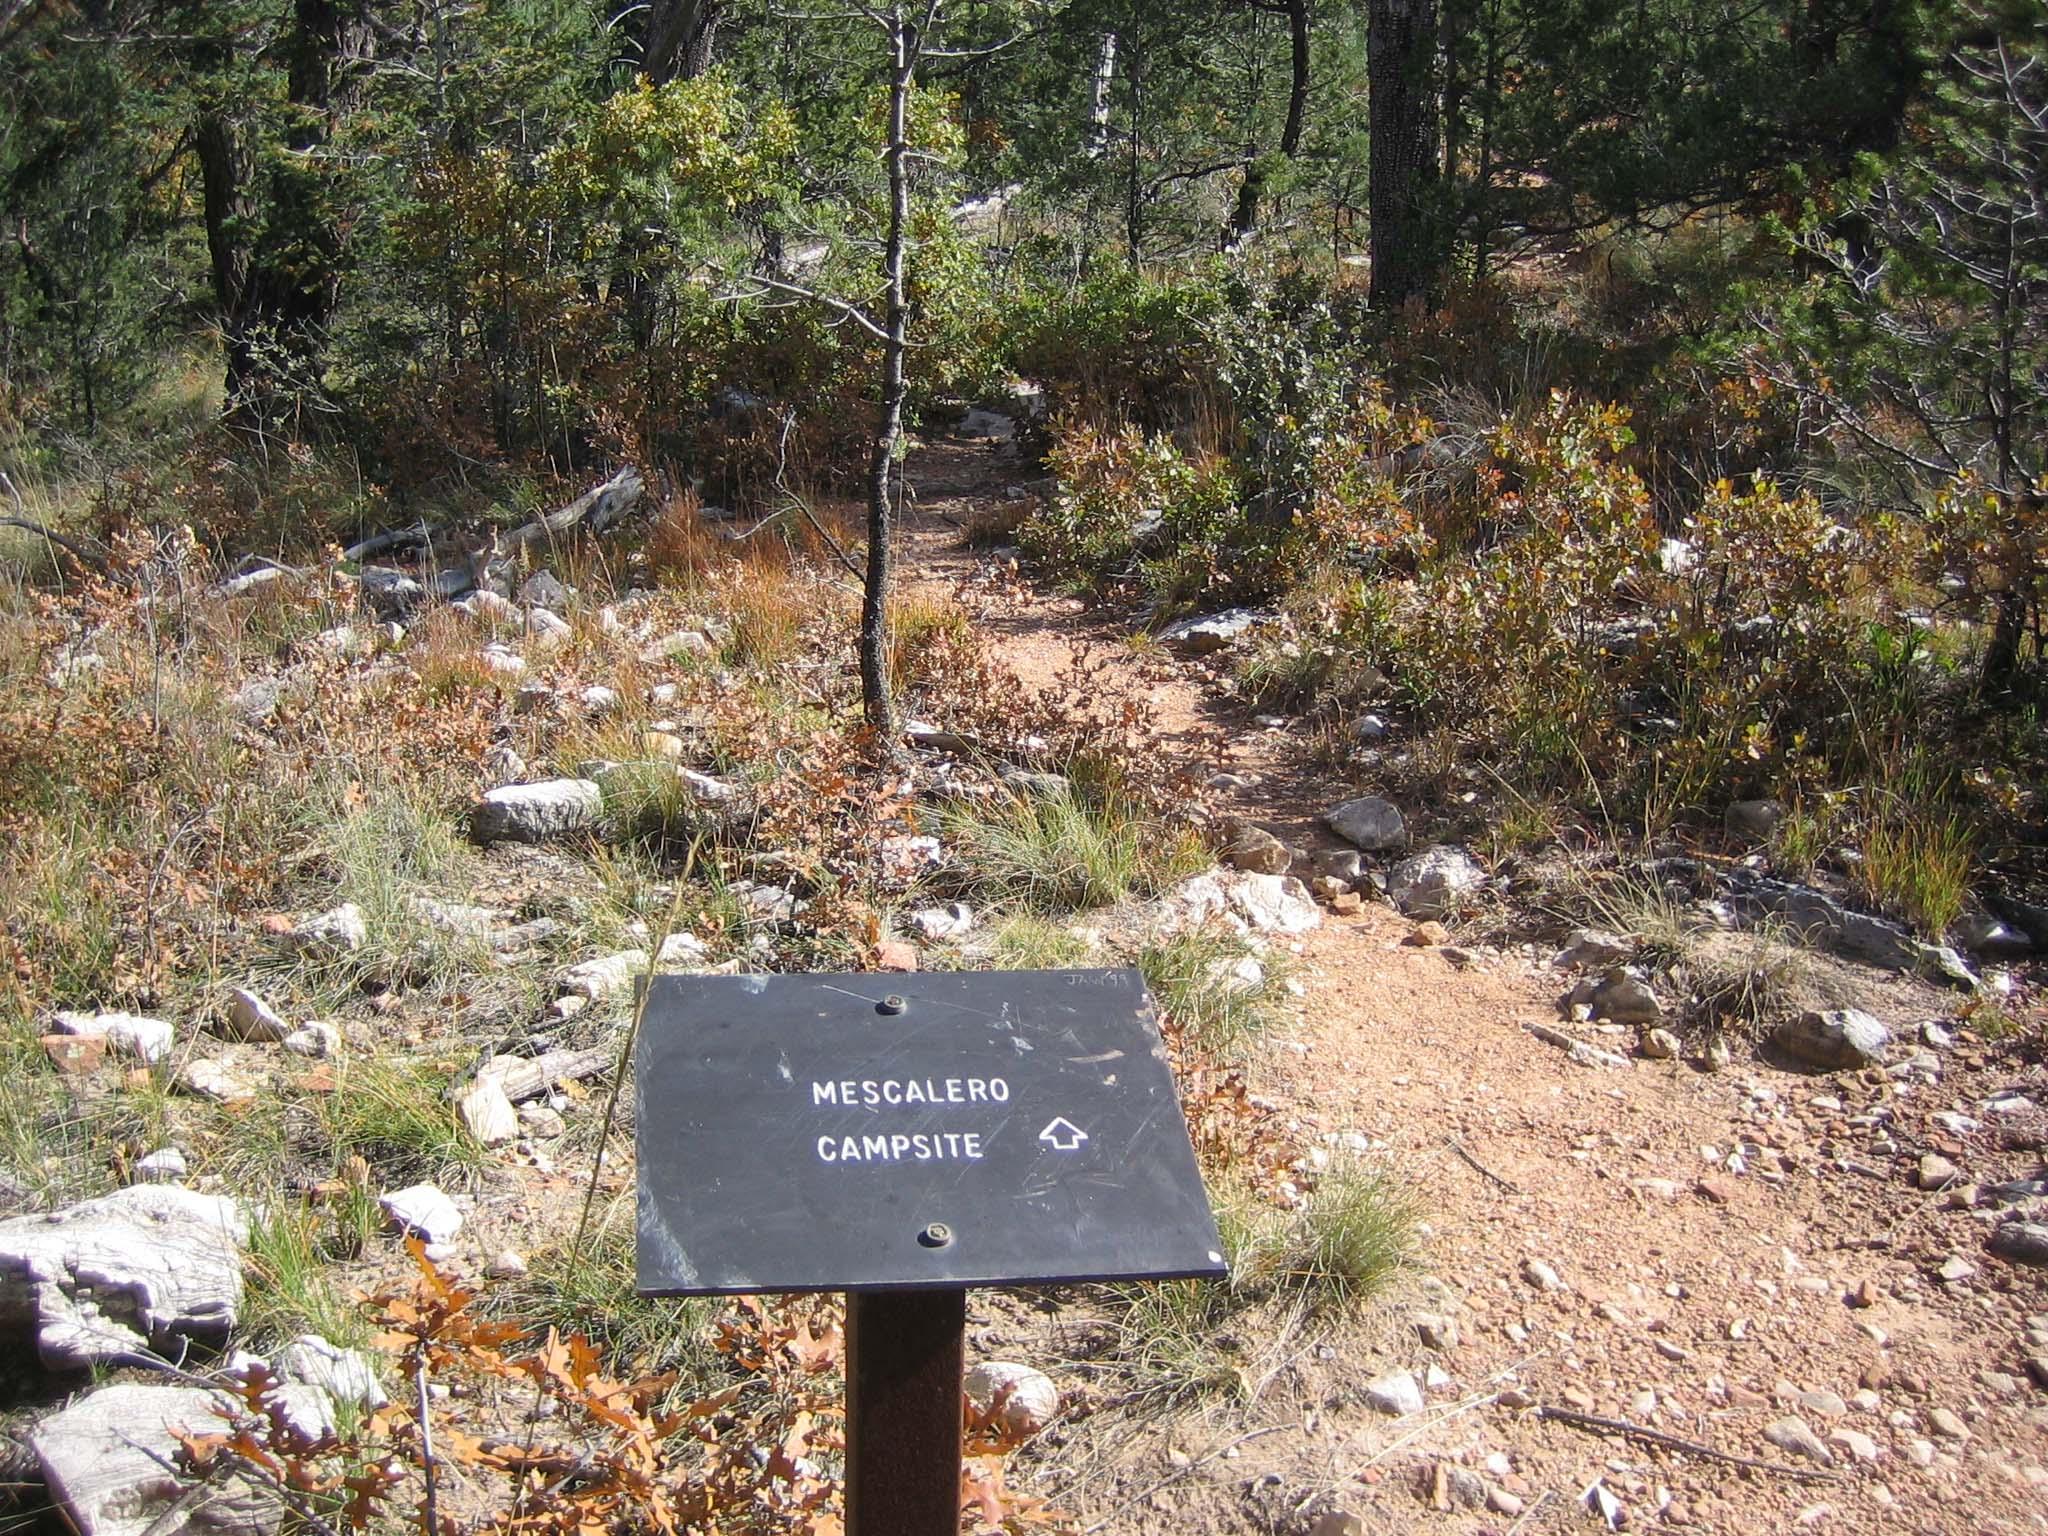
(1600, 1424)
(1477, 1166)
(535, 1076)
(1585, 1055)
(600, 507)
(75, 548)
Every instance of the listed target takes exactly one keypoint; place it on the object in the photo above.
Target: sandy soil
(1698, 1299)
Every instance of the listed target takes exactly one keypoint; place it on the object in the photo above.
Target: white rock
(543, 589)
(1368, 823)
(1835, 1038)
(489, 606)
(1660, 1045)
(1795, 1437)
(1203, 636)
(706, 788)
(1020, 1398)
(605, 977)
(249, 1017)
(1541, 1275)
(500, 665)
(1625, 998)
(345, 1375)
(166, 1165)
(681, 949)
(214, 1079)
(533, 813)
(316, 1038)
(1435, 882)
(332, 934)
(547, 629)
(509, 1264)
(129, 1033)
(684, 642)
(107, 1461)
(598, 699)
(487, 1114)
(540, 1122)
(1397, 1393)
(146, 1267)
(936, 924)
(424, 1211)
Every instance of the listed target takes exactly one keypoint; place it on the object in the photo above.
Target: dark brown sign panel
(844, 1133)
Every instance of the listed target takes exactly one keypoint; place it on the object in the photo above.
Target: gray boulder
(1625, 998)
(1435, 882)
(145, 1268)
(533, 813)
(1826, 922)
(1204, 636)
(1982, 934)
(1835, 1039)
(1368, 823)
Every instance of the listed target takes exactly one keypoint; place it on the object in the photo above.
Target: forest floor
(1702, 1254)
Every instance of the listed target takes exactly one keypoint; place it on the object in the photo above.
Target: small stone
(1435, 882)
(1021, 1399)
(2023, 1242)
(1865, 1294)
(1337, 1522)
(1660, 1045)
(1369, 823)
(215, 1080)
(128, 1033)
(333, 934)
(424, 1211)
(1626, 999)
(1257, 850)
(1347, 903)
(316, 1038)
(1397, 1393)
(1946, 1425)
(507, 1264)
(895, 955)
(1501, 1502)
(1837, 1039)
(1715, 1189)
(1541, 1275)
(1956, 1268)
(1436, 1330)
(1920, 1453)
(541, 1123)
(1458, 1487)
(1426, 935)
(1718, 1055)
(75, 1055)
(1594, 949)
(543, 590)
(166, 1165)
(1937, 1172)
(1337, 864)
(1794, 1437)
(936, 925)
(599, 980)
(1827, 1404)
(249, 1017)
(487, 1114)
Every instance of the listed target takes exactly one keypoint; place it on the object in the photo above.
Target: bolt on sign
(931, 1130)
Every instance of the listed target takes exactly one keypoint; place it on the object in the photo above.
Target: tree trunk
(1098, 97)
(1408, 253)
(1244, 218)
(877, 697)
(678, 40)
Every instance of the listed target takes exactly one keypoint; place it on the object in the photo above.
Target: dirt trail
(1703, 1299)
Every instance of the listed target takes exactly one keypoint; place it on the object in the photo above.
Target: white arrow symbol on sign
(1063, 1134)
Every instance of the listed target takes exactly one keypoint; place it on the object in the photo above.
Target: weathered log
(530, 1077)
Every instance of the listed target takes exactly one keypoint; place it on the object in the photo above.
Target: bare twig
(1477, 1166)
(74, 547)
(432, 1496)
(1181, 1472)
(803, 506)
(1600, 1424)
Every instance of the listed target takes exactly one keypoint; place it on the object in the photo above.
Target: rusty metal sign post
(903, 1139)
